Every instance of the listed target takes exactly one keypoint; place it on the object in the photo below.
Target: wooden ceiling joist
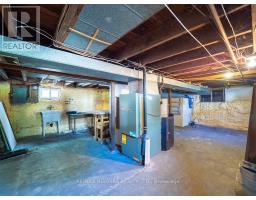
(163, 34)
(201, 74)
(215, 49)
(220, 76)
(159, 36)
(206, 36)
(197, 63)
(221, 56)
(222, 31)
(48, 72)
(196, 70)
(67, 20)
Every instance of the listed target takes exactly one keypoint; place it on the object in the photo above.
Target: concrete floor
(203, 161)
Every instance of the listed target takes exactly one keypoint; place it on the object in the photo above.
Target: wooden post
(250, 153)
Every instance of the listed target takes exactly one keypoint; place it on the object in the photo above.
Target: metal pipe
(145, 136)
(112, 116)
(144, 99)
(169, 102)
(223, 33)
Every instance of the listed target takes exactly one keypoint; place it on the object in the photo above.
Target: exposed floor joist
(161, 35)
(206, 36)
(195, 54)
(67, 20)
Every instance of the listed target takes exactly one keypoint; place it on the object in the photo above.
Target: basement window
(216, 95)
(205, 98)
(49, 93)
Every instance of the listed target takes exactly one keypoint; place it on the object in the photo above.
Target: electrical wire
(86, 53)
(212, 25)
(99, 57)
(170, 10)
(83, 52)
(237, 47)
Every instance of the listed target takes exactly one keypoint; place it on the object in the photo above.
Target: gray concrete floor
(204, 161)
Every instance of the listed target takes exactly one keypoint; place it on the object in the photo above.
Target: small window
(218, 95)
(55, 93)
(49, 93)
(205, 98)
(45, 93)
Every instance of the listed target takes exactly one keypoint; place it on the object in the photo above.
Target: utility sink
(50, 116)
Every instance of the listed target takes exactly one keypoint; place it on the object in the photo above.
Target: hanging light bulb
(251, 62)
(228, 75)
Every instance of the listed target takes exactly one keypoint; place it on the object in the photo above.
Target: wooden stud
(92, 39)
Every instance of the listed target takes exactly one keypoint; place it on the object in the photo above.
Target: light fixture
(228, 75)
(251, 62)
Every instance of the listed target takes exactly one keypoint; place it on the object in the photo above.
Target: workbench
(74, 115)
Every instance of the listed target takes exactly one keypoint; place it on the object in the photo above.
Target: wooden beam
(48, 72)
(89, 37)
(92, 39)
(253, 10)
(220, 76)
(66, 21)
(206, 36)
(197, 63)
(222, 57)
(200, 74)
(161, 35)
(215, 49)
(222, 31)
(3, 74)
(197, 70)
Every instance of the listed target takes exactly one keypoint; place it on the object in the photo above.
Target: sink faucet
(50, 107)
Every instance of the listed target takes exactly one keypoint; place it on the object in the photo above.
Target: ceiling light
(228, 75)
(251, 62)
